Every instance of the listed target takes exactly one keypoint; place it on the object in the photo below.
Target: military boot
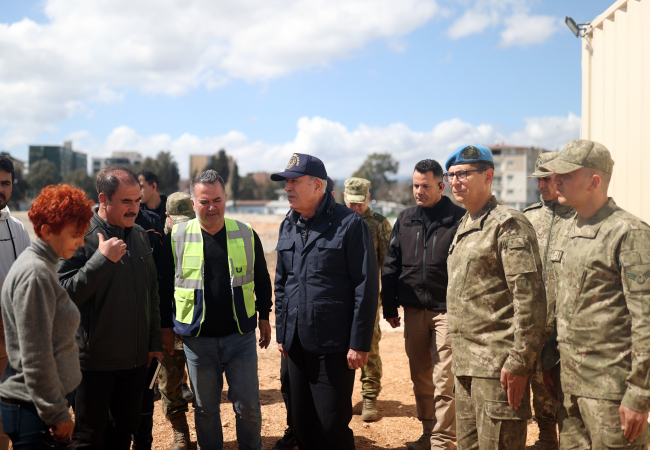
(547, 437)
(424, 443)
(181, 433)
(370, 411)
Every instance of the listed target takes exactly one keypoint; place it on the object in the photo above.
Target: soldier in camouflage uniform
(414, 276)
(603, 307)
(357, 196)
(172, 372)
(547, 218)
(497, 308)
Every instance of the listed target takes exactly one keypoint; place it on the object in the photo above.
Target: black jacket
(120, 321)
(415, 267)
(326, 287)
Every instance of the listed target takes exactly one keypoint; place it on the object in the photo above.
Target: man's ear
(595, 183)
(102, 198)
(489, 176)
(155, 186)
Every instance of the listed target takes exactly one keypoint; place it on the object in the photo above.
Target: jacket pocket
(500, 410)
(518, 256)
(331, 256)
(184, 302)
(285, 249)
(614, 438)
(331, 322)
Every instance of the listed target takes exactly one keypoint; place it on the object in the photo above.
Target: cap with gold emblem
(301, 164)
(179, 207)
(580, 153)
(469, 154)
(541, 160)
(356, 190)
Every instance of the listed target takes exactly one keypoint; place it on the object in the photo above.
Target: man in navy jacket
(326, 288)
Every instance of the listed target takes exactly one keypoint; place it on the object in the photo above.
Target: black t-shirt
(219, 318)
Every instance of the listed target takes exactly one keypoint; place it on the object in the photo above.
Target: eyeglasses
(461, 175)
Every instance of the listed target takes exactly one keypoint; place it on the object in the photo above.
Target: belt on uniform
(11, 401)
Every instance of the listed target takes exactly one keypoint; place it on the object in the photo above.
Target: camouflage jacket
(547, 219)
(380, 229)
(495, 296)
(603, 307)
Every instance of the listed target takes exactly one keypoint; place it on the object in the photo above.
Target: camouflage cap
(543, 159)
(179, 207)
(581, 153)
(356, 190)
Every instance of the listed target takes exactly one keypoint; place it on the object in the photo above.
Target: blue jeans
(207, 360)
(20, 421)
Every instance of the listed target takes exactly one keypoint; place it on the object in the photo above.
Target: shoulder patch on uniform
(534, 206)
(502, 214)
(378, 216)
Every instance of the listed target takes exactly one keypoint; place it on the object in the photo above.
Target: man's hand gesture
(357, 359)
(113, 249)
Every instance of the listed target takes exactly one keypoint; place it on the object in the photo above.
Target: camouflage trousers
(484, 420)
(371, 373)
(170, 381)
(591, 423)
(545, 407)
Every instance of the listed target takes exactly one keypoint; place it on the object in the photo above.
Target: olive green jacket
(603, 307)
(495, 297)
(547, 218)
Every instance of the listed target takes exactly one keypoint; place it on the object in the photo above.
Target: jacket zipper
(417, 243)
(136, 309)
(424, 270)
(548, 243)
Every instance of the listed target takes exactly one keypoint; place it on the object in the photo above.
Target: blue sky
(338, 78)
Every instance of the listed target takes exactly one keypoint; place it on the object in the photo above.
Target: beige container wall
(616, 98)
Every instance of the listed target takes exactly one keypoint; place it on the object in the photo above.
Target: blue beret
(469, 154)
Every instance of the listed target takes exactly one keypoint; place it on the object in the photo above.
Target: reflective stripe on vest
(187, 247)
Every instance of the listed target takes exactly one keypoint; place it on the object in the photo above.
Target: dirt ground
(398, 425)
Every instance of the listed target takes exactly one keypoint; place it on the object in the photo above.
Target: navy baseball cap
(469, 154)
(300, 165)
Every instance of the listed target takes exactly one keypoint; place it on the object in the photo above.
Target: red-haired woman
(40, 323)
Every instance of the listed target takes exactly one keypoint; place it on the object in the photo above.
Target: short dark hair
(210, 176)
(110, 177)
(429, 165)
(149, 177)
(8, 166)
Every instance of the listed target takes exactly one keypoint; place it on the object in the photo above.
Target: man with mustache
(14, 239)
(603, 307)
(414, 275)
(497, 308)
(113, 281)
(548, 218)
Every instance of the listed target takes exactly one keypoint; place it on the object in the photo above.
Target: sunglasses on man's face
(53, 442)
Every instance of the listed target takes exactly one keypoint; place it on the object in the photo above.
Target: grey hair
(208, 177)
(312, 179)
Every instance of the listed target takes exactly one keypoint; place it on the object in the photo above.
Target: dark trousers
(104, 395)
(143, 438)
(321, 399)
(285, 388)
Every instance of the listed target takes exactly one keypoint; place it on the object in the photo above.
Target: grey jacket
(40, 322)
(120, 319)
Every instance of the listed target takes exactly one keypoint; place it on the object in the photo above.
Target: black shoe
(287, 442)
(187, 393)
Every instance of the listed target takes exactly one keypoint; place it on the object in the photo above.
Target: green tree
(42, 173)
(80, 179)
(234, 183)
(219, 162)
(377, 167)
(247, 188)
(165, 168)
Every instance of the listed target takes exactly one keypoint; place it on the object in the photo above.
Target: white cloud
(521, 28)
(92, 52)
(342, 150)
(525, 30)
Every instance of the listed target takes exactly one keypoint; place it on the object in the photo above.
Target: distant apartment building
(118, 158)
(198, 164)
(64, 158)
(512, 165)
